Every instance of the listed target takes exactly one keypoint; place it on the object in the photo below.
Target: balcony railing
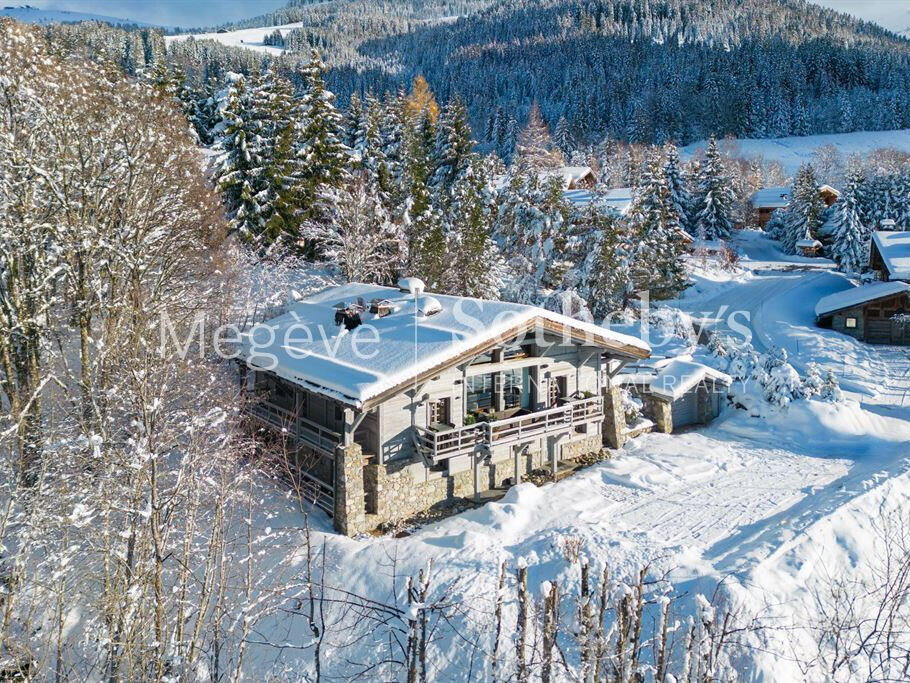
(441, 444)
(305, 431)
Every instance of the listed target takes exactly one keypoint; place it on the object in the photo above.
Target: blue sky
(893, 14)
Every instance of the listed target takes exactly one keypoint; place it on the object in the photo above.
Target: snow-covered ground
(790, 152)
(251, 38)
(762, 505)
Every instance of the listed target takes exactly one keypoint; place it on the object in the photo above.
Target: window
(559, 388)
(440, 411)
(479, 392)
(512, 388)
(850, 323)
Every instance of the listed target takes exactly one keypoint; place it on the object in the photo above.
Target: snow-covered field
(790, 152)
(251, 38)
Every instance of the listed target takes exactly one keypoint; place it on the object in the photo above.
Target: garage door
(878, 331)
(685, 410)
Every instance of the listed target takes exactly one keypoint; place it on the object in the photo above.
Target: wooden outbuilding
(808, 247)
(877, 313)
(679, 394)
(889, 255)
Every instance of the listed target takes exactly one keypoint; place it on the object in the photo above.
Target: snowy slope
(251, 38)
(34, 15)
(790, 152)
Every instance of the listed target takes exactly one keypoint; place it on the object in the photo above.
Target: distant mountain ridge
(34, 15)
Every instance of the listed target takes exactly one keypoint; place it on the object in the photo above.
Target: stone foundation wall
(399, 490)
(658, 411)
(614, 424)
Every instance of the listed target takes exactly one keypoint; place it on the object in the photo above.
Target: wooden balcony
(305, 431)
(441, 444)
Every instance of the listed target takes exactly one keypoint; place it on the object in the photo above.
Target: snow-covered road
(774, 305)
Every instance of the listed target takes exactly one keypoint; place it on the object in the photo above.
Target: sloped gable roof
(384, 354)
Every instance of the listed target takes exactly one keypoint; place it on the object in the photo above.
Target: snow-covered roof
(770, 198)
(828, 188)
(808, 244)
(578, 197)
(894, 247)
(859, 295)
(384, 354)
(619, 199)
(679, 376)
(568, 174)
(671, 378)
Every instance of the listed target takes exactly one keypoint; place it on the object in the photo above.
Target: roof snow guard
(415, 338)
(857, 296)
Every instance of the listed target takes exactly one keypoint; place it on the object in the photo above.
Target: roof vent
(381, 307)
(412, 285)
(430, 306)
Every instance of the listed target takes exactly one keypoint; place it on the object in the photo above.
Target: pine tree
(535, 148)
(802, 217)
(273, 105)
(321, 156)
(477, 267)
(453, 146)
(676, 185)
(714, 197)
(429, 259)
(609, 286)
(851, 236)
(657, 257)
(562, 136)
(239, 172)
(352, 122)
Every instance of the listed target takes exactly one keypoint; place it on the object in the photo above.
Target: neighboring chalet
(876, 313)
(889, 255)
(395, 401)
(767, 200)
(678, 394)
(616, 201)
(572, 177)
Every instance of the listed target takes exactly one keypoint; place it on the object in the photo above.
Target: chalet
(616, 201)
(395, 401)
(889, 255)
(828, 194)
(678, 394)
(572, 177)
(876, 313)
(808, 247)
(767, 200)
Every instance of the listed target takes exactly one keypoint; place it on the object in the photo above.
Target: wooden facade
(545, 397)
(881, 321)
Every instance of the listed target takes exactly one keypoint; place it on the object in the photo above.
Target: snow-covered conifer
(714, 197)
(851, 237)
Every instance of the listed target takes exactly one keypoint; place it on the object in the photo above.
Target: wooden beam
(580, 336)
